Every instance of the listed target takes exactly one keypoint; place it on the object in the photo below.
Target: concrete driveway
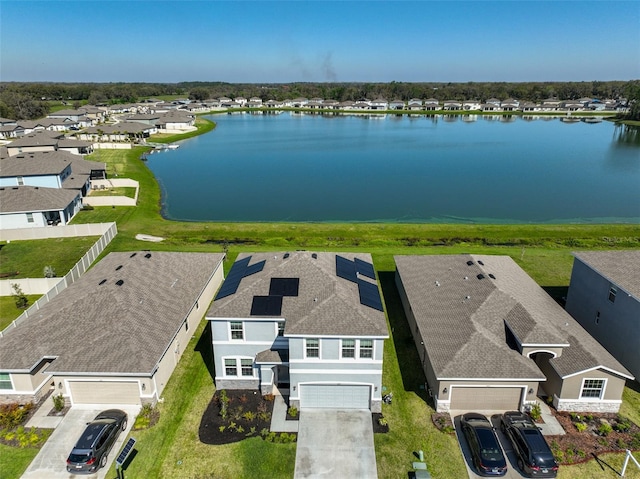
(512, 468)
(51, 461)
(335, 443)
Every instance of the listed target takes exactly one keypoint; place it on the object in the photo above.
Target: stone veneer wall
(581, 406)
(253, 383)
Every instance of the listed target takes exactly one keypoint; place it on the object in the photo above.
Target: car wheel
(103, 461)
(124, 424)
(520, 465)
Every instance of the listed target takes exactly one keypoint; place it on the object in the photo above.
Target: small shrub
(13, 414)
(58, 402)
(581, 427)
(589, 417)
(49, 272)
(559, 455)
(264, 416)
(383, 421)
(264, 432)
(292, 411)
(269, 397)
(623, 424)
(621, 444)
(604, 429)
(222, 428)
(581, 454)
(19, 297)
(223, 401)
(249, 416)
(535, 412)
(448, 429)
(603, 442)
(240, 429)
(635, 441)
(252, 431)
(575, 416)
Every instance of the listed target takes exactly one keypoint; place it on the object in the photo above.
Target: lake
(439, 169)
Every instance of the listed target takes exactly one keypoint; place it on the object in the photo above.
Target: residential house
(125, 334)
(33, 206)
(488, 337)
(176, 120)
(604, 297)
(309, 323)
(396, 105)
(471, 105)
(452, 105)
(38, 141)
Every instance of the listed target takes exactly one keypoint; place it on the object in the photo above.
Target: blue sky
(287, 41)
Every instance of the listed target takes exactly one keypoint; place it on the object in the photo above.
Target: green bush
(581, 427)
(58, 402)
(13, 414)
(535, 412)
(292, 411)
(604, 429)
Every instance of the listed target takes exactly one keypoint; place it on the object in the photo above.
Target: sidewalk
(40, 418)
(551, 426)
(279, 421)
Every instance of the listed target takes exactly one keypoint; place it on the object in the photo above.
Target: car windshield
(79, 456)
(544, 460)
(489, 449)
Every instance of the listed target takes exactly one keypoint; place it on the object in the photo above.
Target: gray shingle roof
(462, 319)
(30, 199)
(325, 305)
(105, 328)
(619, 267)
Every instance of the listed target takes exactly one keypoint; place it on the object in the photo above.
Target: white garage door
(104, 392)
(334, 396)
(498, 399)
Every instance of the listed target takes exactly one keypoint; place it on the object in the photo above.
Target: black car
(535, 458)
(91, 451)
(485, 449)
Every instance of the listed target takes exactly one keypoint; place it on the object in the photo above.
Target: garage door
(499, 399)
(104, 392)
(334, 396)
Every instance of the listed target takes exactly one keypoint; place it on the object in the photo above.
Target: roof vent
(132, 255)
(492, 276)
(148, 255)
(120, 282)
(480, 276)
(314, 255)
(119, 268)
(480, 263)
(102, 282)
(286, 255)
(469, 263)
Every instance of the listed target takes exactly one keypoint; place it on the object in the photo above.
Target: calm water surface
(290, 167)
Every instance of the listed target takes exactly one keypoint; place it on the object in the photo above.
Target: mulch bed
(580, 446)
(248, 415)
(442, 420)
(376, 419)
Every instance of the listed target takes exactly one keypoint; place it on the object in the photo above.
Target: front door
(282, 376)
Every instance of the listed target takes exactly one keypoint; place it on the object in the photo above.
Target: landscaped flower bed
(589, 434)
(233, 415)
(12, 431)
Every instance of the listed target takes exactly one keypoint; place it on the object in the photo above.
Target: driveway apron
(51, 461)
(335, 443)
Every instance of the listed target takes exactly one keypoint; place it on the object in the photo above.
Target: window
(366, 348)
(247, 367)
(237, 331)
(5, 381)
(348, 348)
(29, 217)
(281, 328)
(313, 348)
(20, 181)
(612, 294)
(230, 367)
(592, 388)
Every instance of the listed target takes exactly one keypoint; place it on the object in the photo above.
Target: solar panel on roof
(369, 295)
(365, 268)
(284, 286)
(236, 273)
(254, 268)
(345, 269)
(266, 306)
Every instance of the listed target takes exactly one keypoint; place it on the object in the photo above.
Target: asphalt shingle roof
(96, 326)
(29, 199)
(325, 305)
(463, 319)
(619, 267)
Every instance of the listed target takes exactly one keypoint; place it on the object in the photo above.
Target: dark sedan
(485, 449)
(535, 458)
(91, 451)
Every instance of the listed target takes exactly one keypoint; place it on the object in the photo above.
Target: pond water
(467, 169)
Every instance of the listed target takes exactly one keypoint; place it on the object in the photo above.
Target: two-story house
(308, 323)
(604, 297)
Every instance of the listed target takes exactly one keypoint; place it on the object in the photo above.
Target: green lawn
(9, 311)
(129, 192)
(28, 258)
(14, 461)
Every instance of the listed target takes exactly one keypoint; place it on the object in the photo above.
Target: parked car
(91, 451)
(486, 453)
(535, 458)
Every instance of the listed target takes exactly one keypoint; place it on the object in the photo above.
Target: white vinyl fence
(51, 287)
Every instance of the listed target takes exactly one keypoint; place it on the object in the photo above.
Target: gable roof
(97, 326)
(465, 306)
(619, 267)
(31, 199)
(41, 138)
(326, 305)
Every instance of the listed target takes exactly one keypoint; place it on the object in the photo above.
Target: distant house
(311, 324)
(122, 131)
(176, 120)
(471, 105)
(113, 336)
(452, 105)
(396, 105)
(379, 104)
(40, 141)
(489, 337)
(604, 297)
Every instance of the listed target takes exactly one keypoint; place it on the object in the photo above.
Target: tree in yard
(21, 300)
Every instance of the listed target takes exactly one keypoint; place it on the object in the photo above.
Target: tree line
(32, 100)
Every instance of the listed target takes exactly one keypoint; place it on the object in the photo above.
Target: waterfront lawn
(8, 310)
(28, 258)
(127, 191)
(15, 460)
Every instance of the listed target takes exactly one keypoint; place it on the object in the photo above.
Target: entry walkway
(335, 443)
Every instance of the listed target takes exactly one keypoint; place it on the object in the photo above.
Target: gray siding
(618, 327)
